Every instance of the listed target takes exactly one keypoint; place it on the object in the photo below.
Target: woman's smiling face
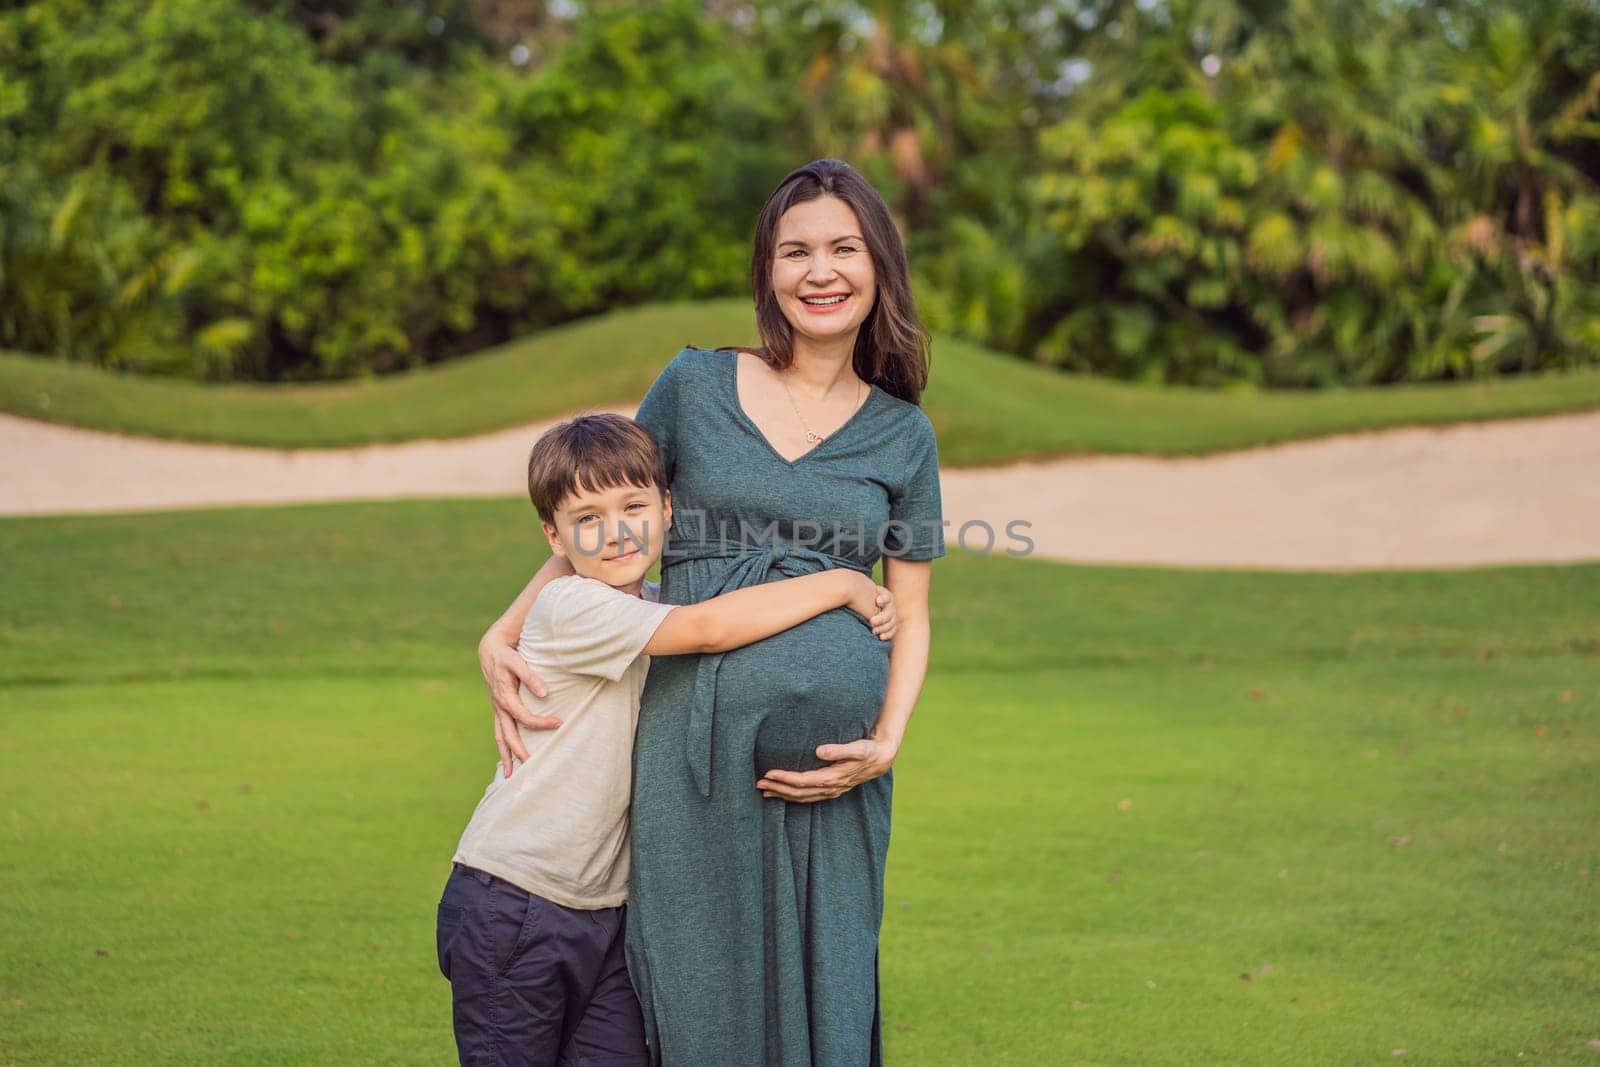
(822, 273)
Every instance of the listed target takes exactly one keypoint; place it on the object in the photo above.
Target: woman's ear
(553, 535)
(666, 507)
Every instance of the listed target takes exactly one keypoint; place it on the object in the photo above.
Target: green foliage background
(1189, 191)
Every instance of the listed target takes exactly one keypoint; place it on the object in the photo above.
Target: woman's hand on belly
(819, 683)
(848, 766)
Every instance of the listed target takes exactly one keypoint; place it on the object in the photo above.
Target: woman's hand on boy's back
(505, 672)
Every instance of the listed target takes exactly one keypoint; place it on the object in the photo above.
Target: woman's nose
(821, 268)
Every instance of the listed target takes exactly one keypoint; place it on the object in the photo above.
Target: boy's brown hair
(595, 452)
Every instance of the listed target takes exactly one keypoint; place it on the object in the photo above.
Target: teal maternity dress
(753, 923)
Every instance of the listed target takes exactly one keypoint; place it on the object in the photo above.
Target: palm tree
(1521, 124)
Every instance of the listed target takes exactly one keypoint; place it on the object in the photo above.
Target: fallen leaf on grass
(1265, 968)
(1114, 877)
(1401, 841)
(1124, 805)
(1539, 730)
(1258, 694)
(246, 788)
(1244, 976)
(1397, 1052)
(1594, 1042)
(101, 952)
(202, 805)
(1566, 696)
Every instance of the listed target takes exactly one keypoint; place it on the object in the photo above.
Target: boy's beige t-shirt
(558, 827)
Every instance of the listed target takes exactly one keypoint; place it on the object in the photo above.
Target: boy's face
(613, 535)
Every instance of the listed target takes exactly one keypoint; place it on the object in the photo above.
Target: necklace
(812, 437)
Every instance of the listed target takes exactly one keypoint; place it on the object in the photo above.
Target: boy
(530, 923)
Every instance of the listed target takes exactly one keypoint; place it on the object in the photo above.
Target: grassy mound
(988, 407)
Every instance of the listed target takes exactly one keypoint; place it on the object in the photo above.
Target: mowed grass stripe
(988, 407)
(259, 591)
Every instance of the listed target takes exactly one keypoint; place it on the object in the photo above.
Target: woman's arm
(504, 669)
(862, 761)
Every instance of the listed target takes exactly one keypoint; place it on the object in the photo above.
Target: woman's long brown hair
(892, 346)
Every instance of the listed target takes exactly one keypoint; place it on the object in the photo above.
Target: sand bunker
(1519, 490)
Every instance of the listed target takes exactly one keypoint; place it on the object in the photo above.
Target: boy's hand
(876, 604)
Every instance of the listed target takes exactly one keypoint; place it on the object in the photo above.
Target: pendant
(813, 438)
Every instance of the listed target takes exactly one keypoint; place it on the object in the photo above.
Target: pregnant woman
(762, 782)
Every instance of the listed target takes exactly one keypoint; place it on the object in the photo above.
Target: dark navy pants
(534, 982)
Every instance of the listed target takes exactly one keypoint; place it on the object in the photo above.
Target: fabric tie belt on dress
(749, 563)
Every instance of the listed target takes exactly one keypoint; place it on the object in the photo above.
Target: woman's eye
(791, 254)
(846, 248)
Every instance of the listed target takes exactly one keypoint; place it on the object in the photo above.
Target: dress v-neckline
(733, 391)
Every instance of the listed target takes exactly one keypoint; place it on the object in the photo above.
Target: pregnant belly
(821, 682)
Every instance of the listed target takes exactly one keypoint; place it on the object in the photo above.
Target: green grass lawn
(988, 407)
(1143, 817)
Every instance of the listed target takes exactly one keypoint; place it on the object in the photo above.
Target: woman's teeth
(824, 301)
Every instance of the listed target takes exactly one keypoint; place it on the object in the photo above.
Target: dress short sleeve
(658, 411)
(916, 515)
